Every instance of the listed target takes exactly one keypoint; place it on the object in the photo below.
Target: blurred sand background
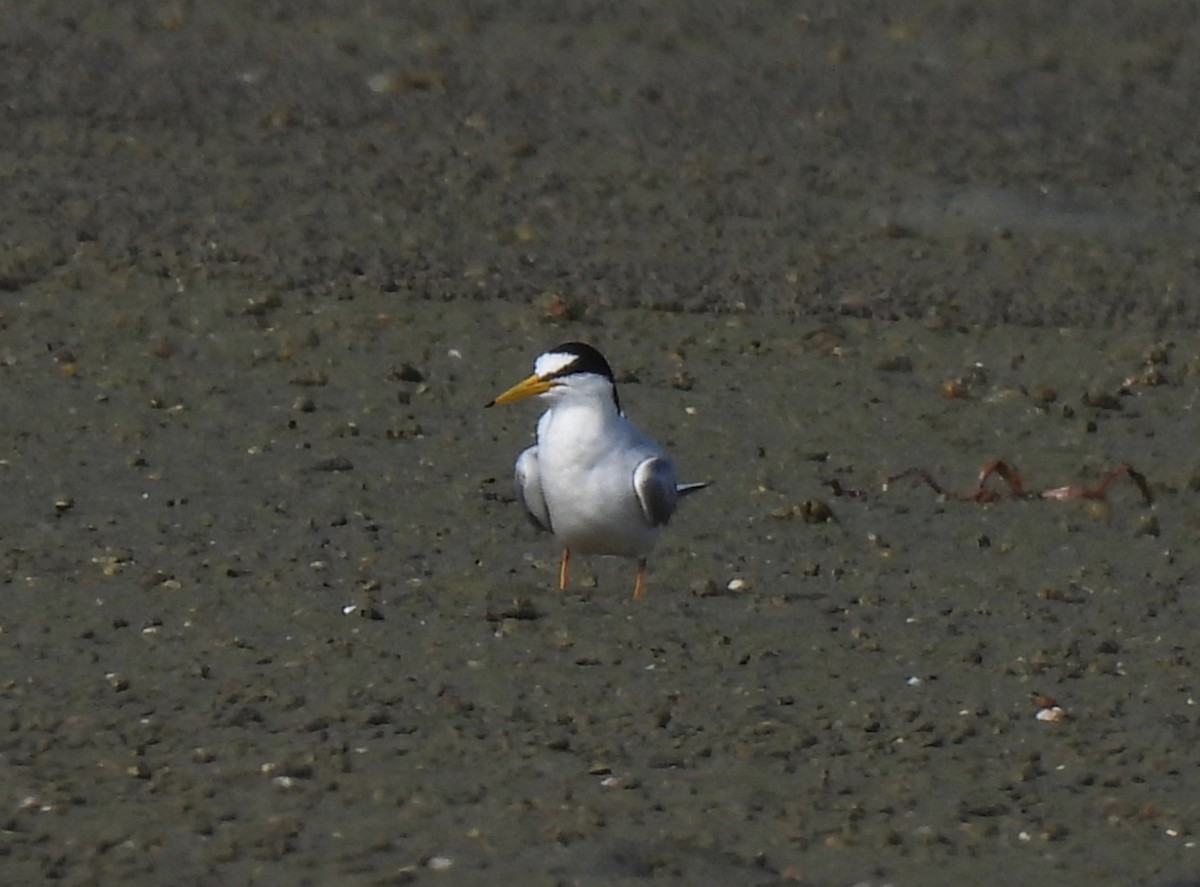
(270, 613)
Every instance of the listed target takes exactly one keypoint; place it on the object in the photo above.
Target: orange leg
(639, 584)
(562, 568)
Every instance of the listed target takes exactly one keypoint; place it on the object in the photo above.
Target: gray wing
(528, 479)
(654, 484)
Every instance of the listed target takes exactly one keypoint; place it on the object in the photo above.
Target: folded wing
(528, 479)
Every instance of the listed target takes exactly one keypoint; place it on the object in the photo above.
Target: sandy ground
(271, 614)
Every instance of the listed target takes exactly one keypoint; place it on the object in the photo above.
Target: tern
(593, 479)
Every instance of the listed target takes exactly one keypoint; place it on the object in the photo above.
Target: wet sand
(273, 615)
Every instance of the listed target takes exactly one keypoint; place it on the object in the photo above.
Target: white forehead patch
(553, 362)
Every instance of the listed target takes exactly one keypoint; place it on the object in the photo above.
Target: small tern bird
(594, 480)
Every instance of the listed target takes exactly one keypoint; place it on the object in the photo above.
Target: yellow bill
(523, 389)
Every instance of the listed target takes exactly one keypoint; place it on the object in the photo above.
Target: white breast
(587, 459)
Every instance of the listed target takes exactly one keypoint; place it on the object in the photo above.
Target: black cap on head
(586, 360)
(570, 358)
